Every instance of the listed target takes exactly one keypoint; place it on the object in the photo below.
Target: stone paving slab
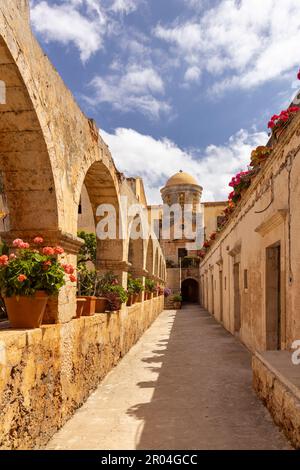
(187, 384)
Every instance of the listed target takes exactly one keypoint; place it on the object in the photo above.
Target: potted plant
(88, 251)
(134, 289)
(28, 277)
(177, 299)
(86, 289)
(116, 296)
(103, 284)
(260, 155)
(80, 306)
(149, 288)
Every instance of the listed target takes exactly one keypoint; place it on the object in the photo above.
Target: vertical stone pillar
(62, 308)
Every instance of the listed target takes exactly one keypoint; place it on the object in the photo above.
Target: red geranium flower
(58, 250)
(271, 124)
(48, 250)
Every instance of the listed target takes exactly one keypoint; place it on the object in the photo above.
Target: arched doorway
(190, 291)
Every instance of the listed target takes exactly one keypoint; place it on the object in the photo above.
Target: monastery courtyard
(149, 226)
(169, 393)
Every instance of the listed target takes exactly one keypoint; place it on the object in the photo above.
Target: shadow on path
(203, 397)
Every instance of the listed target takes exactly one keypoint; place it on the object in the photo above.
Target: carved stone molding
(236, 250)
(113, 265)
(272, 222)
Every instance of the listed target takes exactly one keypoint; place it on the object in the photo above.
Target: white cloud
(134, 90)
(249, 41)
(125, 6)
(156, 160)
(192, 74)
(65, 23)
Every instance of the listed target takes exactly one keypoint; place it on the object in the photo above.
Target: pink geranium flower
(22, 278)
(73, 278)
(48, 250)
(38, 240)
(12, 256)
(24, 246)
(17, 242)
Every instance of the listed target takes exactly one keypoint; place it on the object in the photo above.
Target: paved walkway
(185, 385)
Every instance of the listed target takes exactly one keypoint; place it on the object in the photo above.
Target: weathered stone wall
(267, 215)
(47, 373)
(49, 150)
(280, 397)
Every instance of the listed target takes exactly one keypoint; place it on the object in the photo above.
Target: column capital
(113, 265)
(70, 243)
(139, 272)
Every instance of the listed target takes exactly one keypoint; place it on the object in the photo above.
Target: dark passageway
(190, 291)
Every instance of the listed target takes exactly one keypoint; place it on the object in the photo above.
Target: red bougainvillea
(283, 117)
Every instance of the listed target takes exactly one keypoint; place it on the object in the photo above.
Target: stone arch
(190, 290)
(102, 188)
(136, 250)
(27, 174)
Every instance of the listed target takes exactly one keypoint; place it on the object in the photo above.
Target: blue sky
(176, 84)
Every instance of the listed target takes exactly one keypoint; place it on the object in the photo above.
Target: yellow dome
(181, 178)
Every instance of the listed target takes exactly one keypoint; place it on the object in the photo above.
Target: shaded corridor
(185, 385)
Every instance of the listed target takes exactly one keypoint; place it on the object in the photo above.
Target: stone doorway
(237, 298)
(190, 291)
(273, 298)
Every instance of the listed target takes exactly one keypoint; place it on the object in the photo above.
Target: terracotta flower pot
(130, 300)
(89, 308)
(80, 306)
(101, 304)
(136, 298)
(26, 311)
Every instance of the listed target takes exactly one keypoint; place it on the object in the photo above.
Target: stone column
(59, 309)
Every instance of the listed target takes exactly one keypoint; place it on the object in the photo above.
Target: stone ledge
(60, 365)
(276, 381)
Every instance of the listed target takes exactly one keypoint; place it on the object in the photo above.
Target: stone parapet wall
(47, 373)
(279, 395)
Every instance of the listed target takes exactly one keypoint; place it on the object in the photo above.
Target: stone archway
(190, 290)
(28, 179)
(103, 191)
(136, 248)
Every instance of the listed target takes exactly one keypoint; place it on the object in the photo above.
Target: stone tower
(181, 188)
(182, 265)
